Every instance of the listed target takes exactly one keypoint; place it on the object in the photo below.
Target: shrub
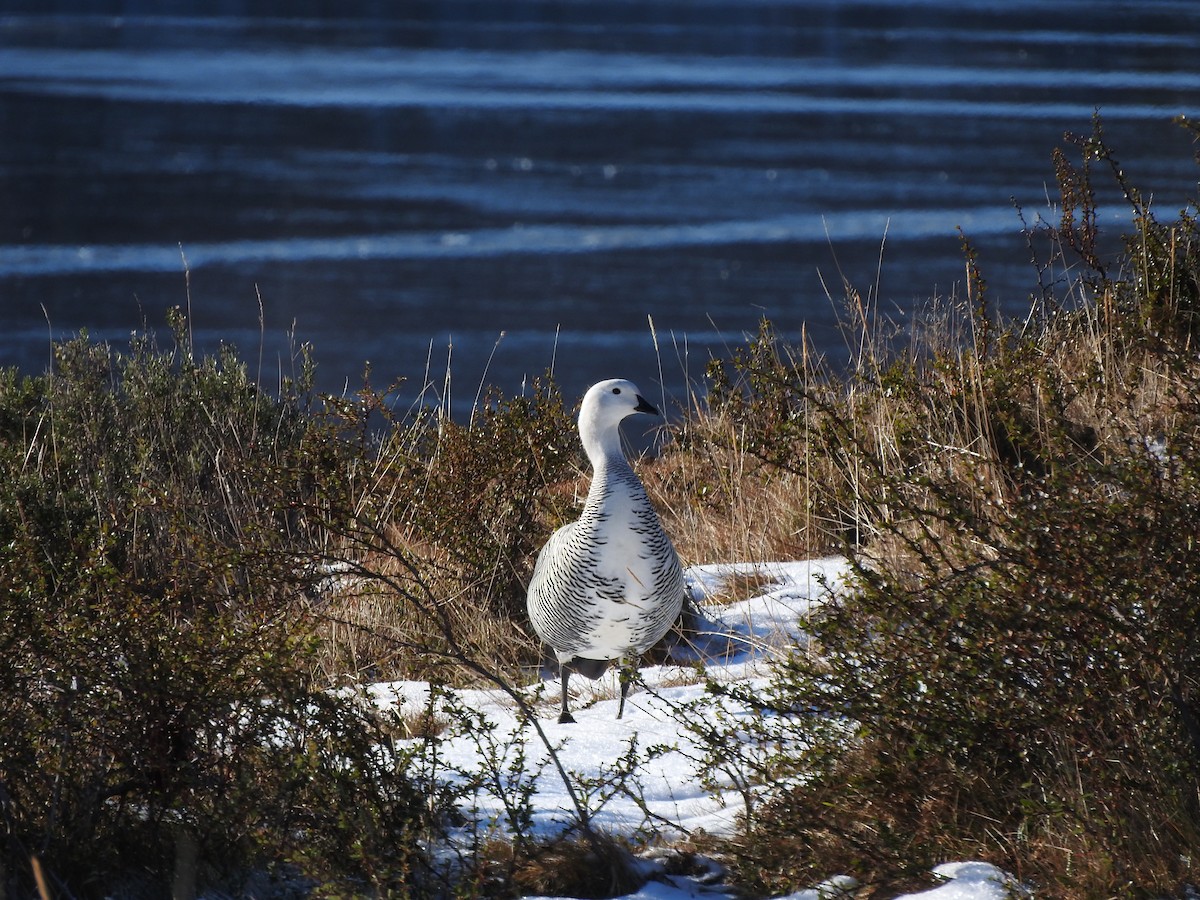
(1020, 655)
(448, 522)
(159, 714)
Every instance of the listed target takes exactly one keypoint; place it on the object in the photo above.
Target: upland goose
(608, 586)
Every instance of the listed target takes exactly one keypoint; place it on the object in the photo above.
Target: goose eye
(616, 390)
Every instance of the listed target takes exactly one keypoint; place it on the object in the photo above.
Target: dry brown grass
(448, 520)
(407, 614)
(720, 504)
(733, 587)
(595, 867)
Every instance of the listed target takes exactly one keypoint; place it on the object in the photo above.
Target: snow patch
(653, 748)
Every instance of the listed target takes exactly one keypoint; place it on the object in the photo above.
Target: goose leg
(624, 677)
(565, 717)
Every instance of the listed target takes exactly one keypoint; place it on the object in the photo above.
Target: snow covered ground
(650, 753)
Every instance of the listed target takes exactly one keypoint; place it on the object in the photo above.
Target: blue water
(506, 187)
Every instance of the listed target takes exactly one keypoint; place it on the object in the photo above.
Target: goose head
(604, 406)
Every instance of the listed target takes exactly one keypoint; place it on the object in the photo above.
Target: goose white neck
(601, 440)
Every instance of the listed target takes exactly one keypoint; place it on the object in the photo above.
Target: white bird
(608, 586)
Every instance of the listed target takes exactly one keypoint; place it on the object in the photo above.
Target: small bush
(1020, 655)
(159, 518)
(447, 525)
(596, 867)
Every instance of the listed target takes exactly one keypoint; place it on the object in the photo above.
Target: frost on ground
(642, 776)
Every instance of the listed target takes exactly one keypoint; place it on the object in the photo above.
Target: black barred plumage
(608, 586)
